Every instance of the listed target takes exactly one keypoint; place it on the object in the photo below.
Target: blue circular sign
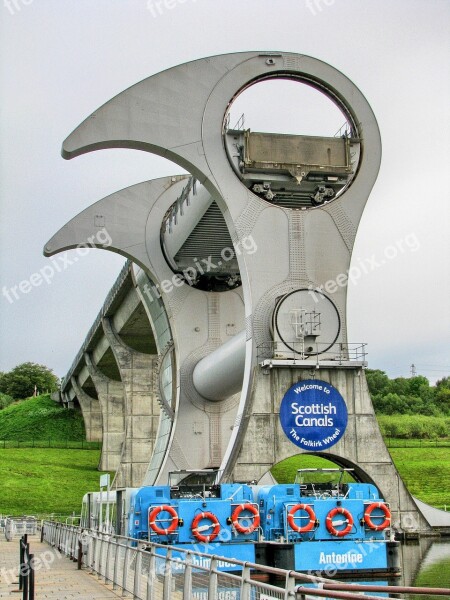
(313, 415)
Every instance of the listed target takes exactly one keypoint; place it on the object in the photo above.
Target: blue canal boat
(319, 524)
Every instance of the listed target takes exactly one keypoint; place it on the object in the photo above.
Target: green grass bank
(46, 480)
(38, 477)
(425, 471)
(42, 419)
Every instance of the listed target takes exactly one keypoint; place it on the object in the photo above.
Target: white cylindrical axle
(220, 374)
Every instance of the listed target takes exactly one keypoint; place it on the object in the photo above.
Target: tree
(408, 396)
(443, 383)
(400, 386)
(22, 381)
(393, 404)
(443, 399)
(418, 384)
(5, 400)
(377, 381)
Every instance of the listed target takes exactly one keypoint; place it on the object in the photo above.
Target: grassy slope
(426, 473)
(46, 480)
(42, 419)
(54, 480)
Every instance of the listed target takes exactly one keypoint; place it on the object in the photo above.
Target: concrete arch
(361, 447)
(359, 474)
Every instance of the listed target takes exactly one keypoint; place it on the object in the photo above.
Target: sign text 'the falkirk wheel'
(313, 414)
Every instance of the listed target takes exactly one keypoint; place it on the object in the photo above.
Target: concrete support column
(141, 408)
(92, 413)
(362, 447)
(111, 397)
(67, 400)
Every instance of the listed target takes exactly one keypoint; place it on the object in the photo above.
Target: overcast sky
(61, 59)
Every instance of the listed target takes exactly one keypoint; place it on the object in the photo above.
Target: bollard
(25, 572)
(22, 546)
(26, 569)
(20, 562)
(80, 554)
(30, 577)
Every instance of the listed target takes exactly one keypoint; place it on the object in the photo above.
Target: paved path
(56, 576)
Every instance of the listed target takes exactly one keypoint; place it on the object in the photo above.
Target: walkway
(56, 576)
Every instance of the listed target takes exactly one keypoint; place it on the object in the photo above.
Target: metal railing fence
(19, 526)
(124, 273)
(153, 571)
(299, 351)
(150, 571)
(60, 444)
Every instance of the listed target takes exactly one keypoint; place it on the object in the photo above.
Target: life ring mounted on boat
(196, 529)
(368, 516)
(309, 511)
(255, 518)
(331, 527)
(155, 512)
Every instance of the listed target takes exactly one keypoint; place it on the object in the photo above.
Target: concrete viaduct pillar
(141, 408)
(111, 397)
(67, 400)
(92, 413)
(361, 448)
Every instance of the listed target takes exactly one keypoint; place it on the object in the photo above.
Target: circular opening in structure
(317, 322)
(286, 471)
(196, 241)
(286, 106)
(291, 142)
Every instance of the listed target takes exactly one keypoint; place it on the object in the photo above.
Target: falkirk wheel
(245, 259)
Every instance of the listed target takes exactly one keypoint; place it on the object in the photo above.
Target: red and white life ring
(386, 513)
(155, 512)
(196, 530)
(291, 518)
(236, 514)
(331, 527)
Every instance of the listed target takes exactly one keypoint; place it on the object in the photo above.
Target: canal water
(426, 563)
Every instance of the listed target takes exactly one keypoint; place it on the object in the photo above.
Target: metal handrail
(102, 551)
(298, 351)
(97, 323)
